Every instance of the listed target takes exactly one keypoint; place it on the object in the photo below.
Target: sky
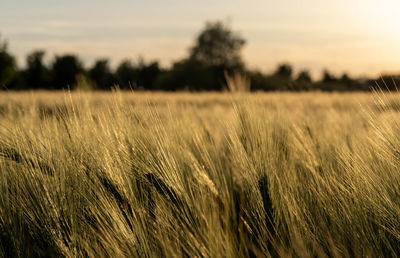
(360, 37)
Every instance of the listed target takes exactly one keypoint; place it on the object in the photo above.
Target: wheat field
(130, 174)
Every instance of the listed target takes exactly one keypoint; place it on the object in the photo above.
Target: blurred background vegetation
(215, 52)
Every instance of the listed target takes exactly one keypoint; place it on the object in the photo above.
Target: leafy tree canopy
(101, 74)
(36, 73)
(8, 69)
(65, 71)
(218, 45)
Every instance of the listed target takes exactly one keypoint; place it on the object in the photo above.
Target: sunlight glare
(384, 17)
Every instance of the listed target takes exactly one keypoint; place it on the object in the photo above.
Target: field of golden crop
(128, 174)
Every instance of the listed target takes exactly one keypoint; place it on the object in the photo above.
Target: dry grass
(199, 175)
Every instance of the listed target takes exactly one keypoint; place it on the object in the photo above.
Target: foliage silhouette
(126, 74)
(65, 70)
(216, 51)
(37, 75)
(303, 81)
(8, 69)
(101, 75)
(218, 45)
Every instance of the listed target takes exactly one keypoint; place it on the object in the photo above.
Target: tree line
(216, 52)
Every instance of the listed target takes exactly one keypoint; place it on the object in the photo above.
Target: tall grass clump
(209, 175)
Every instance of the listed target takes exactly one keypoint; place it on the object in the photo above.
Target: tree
(101, 75)
(216, 51)
(304, 76)
(8, 69)
(147, 74)
(258, 81)
(217, 45)
(188, 75)
(327, 77)
(139, 75)
(284, 71)
(303, 81)
(36, 74)
(126, 75)
(65, 70)
(330, 82)
(281, 79)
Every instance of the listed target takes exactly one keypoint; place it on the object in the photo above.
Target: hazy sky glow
(358, 36)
